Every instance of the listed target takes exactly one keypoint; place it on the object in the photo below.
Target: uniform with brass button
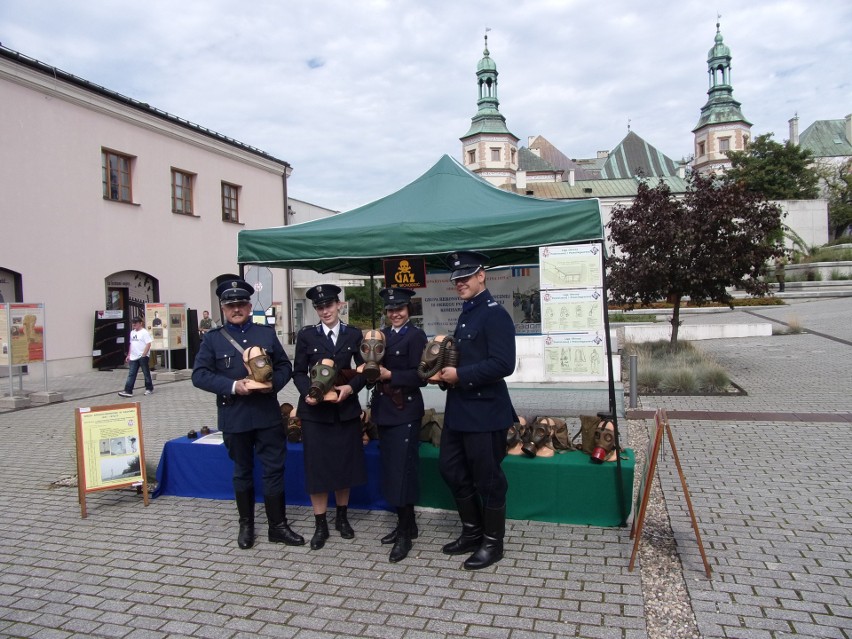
(478, 414)
(331, 424)
(249, 414)
(397, 410)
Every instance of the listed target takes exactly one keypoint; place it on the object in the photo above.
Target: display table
(566, 488)
(190, 469)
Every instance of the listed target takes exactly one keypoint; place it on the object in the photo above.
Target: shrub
(679, 380)
(712, 378)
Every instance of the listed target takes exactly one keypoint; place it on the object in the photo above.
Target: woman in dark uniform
(331, 429)
(397, 410)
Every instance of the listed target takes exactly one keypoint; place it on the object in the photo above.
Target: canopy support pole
(613, 406)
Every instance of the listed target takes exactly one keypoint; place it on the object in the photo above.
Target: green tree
(365, 310)
(838, 187)
(775, 171)
(719, 235)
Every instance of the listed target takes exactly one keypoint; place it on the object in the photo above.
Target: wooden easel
(109, 437)
(655, 443)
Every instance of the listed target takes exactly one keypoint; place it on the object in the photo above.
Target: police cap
(322, 294)
(396, 297)
(465, 263)
(235, 291)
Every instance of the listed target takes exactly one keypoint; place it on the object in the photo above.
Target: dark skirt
(334, 455)
(399, 453)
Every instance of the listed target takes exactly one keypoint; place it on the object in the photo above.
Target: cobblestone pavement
(772, 501)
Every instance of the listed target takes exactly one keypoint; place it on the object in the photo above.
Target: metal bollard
(634, 366)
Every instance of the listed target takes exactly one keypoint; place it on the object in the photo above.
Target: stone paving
(772, 500)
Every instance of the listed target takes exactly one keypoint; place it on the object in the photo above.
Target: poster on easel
(655, 444)
(110, 451)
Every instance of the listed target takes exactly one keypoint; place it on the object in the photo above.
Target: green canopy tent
(446, 209)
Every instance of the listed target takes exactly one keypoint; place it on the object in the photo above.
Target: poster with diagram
(572, 313)
(571, 310)
(576, 266)
(110, 453)
(575, 357)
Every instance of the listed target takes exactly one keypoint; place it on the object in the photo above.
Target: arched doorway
(11, 286)
(129, 291)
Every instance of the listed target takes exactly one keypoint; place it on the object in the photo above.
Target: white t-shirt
(138, 340)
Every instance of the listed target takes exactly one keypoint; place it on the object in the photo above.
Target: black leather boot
(471, 519)
(341, 523)
(245, 507)
(390, 538)
(491, 550)
(402, 545)
(320, 532)
(279, 531)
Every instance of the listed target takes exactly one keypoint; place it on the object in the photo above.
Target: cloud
(362, 97)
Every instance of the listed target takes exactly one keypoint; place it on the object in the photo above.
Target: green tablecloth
(567, 488)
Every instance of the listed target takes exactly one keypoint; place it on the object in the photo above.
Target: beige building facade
(109, 204)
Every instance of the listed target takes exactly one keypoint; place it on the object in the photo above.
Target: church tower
(489, 149)
(722, 126)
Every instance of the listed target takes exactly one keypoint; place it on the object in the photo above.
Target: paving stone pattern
(772, 500)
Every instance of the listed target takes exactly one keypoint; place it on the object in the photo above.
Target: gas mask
(258, 365)
(604, 443)
(322, 379)
(372, 350)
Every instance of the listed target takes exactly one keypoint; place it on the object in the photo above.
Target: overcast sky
(362, 97)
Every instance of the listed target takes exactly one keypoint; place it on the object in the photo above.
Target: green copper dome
(720, 49)
(486, 64)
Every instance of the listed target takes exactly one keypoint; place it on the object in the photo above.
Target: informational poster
(516, 288)
(110, 453)
(577, 266)
(4, 335)
(26, 337)
(156, 321)
(572, 310)
(167, 325)
(177, 326)
(575, 356)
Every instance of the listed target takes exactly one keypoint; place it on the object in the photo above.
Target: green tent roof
(446, 209)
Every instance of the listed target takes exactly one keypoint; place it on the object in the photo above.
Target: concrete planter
(825, 270)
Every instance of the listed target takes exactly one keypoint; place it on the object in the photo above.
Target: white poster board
(573, 309)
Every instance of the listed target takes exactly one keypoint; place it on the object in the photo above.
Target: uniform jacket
(402, 356)
(312, 346)
(485, 338)
(218, 364)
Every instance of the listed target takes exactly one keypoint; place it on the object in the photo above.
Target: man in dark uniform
(478, 413)
(249, 419)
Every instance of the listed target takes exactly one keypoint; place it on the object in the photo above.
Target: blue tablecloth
(189, 469)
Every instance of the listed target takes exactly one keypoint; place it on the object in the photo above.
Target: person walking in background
(331, 429)
(478, 414)
(250, 419)
(397, 410)
(137, 357)
(779, 272)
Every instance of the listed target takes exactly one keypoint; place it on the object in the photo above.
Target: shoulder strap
(232, 340)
